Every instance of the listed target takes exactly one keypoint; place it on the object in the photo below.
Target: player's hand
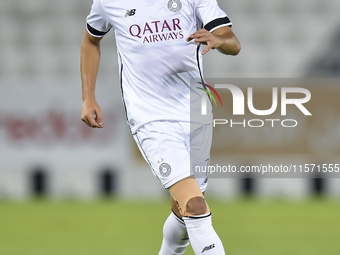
(91, 114)
(203, 36)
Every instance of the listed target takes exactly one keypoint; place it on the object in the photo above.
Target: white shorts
(166, 146)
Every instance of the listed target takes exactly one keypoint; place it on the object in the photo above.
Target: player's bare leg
(197, 217)
(175, 209)
(175, 235)
(185, 190)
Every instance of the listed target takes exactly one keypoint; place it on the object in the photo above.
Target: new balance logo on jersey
(130, 12)
(207, 248)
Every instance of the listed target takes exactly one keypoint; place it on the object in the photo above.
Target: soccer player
(159, 45)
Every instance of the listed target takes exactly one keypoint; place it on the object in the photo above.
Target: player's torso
(150, 24)
(156, 61)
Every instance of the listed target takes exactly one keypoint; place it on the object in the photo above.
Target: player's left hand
(203, 36)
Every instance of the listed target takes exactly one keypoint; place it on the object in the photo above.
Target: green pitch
(246, 227)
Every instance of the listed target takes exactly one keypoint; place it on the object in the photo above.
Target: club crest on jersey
(174, 5)
(165, 169)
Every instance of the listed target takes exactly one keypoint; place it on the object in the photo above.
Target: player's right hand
(91, 114)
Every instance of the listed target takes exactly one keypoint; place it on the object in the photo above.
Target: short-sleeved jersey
(156, 62)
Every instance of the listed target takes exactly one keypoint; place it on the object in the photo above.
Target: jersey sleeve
(97, 22)
(211, 15)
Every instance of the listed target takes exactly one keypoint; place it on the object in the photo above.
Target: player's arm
(89, 64)
(222, 39)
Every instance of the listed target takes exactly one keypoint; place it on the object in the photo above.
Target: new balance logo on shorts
(207, 248)
(130, 12)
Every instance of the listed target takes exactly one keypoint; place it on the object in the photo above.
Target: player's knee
(196, 206)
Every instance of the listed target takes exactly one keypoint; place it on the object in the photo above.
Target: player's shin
(202, 235)
(175, 237)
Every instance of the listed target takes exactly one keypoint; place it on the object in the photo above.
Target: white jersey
(156, 61)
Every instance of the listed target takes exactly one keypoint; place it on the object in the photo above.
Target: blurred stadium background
(46, 150)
